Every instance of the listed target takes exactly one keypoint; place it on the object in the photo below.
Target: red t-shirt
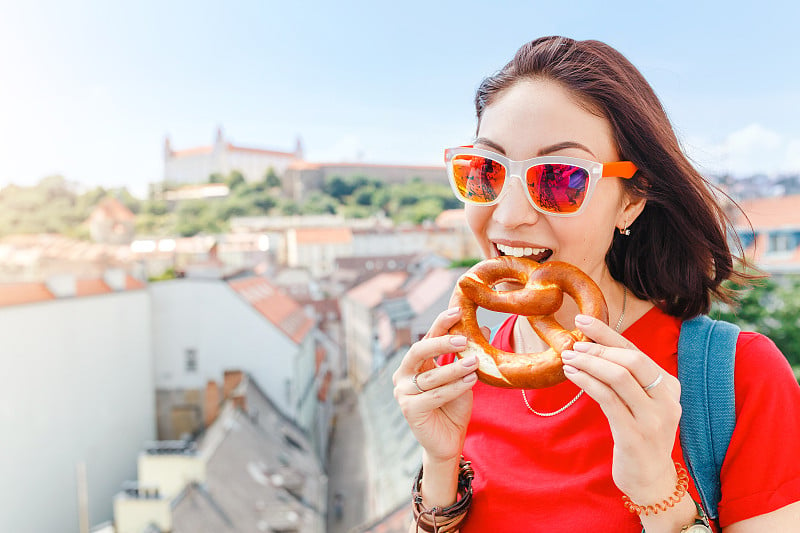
(554, 474)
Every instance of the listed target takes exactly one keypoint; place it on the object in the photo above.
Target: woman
(595, 451)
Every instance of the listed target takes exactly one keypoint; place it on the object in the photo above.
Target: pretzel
(542, 294)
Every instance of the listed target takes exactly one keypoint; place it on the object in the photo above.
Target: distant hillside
(54, 205)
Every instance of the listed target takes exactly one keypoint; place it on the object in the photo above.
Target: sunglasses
(559, 186)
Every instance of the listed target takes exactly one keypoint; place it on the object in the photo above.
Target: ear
(632, 207)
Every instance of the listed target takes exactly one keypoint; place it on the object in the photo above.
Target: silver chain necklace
(580, 393)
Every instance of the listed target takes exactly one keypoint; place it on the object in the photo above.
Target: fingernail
(583, 320)
(470, 378)
(570, 369)
(568, 355)
(458, 340)
(581, 346)
(468, 361)
(453, 311)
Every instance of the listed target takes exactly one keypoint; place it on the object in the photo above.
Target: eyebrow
(544, 151)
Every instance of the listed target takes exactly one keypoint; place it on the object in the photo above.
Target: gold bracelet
(681, 487)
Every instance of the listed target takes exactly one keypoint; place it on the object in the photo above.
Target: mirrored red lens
(478, 179)
(558, 188)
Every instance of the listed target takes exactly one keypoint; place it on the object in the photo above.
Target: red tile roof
(89, 287)
(132, 284)
(323, 235)
(304, 165)
(23, 293)
(193, 151)
(234, 148)
(371, 292)
(773, 212)
(230, 147)
(429, 289)
(113, 209)
(280, 309)
(451, 218)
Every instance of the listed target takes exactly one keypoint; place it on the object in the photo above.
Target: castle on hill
(298, 176)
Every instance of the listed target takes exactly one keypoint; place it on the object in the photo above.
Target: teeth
(519, 252)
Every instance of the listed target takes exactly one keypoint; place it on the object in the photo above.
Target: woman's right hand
(438, 417)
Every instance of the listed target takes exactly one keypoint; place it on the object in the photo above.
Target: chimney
(115, 279)
(240, 401)
(62, 285)
(211, 402)
(232, 380)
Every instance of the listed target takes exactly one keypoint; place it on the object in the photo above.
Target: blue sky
(89, 89)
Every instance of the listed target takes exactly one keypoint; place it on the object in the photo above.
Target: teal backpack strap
(494, 331)
(706, 356)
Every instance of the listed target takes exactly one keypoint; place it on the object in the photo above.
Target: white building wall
(197, 167)
(78, 386)
(254, 165)
(380, 243)
(194, 168)
(225, 331)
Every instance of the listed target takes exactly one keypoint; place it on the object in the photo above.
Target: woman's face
(535, 118)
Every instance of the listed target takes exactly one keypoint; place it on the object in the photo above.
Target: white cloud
(753, 149)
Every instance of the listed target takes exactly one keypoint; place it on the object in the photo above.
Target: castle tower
(167, 147)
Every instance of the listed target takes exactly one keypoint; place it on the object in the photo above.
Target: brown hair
(677, 254)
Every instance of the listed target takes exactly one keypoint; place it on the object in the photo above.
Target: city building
(202, 326)
(77, 401)
(367, 329)
(36, 257)
(252, 469)
(196, 165)
(770, 232)
(111, 222)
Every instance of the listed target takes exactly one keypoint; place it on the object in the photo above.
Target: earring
(625, 231)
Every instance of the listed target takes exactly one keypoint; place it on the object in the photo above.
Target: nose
(514, 209)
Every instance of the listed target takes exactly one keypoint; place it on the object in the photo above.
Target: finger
(601, 333)
(620, 383)
(444, 321)
(440, 376)
(615, 410)
(437, 397)
(644, 370)
(421, 354)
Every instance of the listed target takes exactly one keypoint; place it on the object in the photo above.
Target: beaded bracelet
(438, 519)
(681, 487)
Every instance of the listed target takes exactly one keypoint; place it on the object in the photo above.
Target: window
(191, 359)
(783, 242)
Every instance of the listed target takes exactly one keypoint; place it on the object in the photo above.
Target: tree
(235, 179)
(271, 179)
(771, 307)
(128, 200)
(337, 187)
(319, 203)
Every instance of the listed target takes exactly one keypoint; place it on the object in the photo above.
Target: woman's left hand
(644, 423)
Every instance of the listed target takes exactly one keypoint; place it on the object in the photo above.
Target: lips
(537, 254)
